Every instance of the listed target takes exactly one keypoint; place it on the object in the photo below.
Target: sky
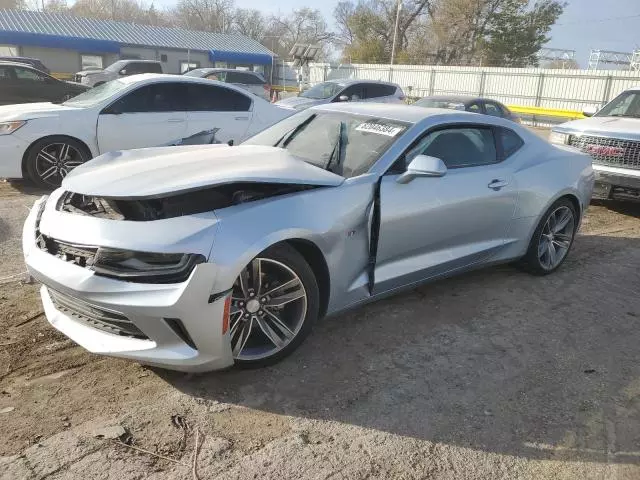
(585, 24)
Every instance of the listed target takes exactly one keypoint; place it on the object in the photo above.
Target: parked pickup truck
(612, 137)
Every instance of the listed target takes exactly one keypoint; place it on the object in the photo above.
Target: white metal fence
(558, 89)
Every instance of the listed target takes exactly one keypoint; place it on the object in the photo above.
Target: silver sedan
(198, 257)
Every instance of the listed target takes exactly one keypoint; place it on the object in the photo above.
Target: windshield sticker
(379, 128)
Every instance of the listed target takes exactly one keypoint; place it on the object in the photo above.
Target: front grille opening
(95, 317)
(179, 329)
(80, 255)
(609, 151)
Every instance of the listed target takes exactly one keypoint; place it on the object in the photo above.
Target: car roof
(214, 69)
(351, 81)
(166, 77)
(17, 64)
(398, 112)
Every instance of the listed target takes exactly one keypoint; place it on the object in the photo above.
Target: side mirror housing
(343, 98)
(423, 166)
(589, 111)
(123, 71)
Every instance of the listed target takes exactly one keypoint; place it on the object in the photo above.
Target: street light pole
(395, 33)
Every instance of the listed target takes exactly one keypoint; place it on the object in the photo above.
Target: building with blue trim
(67, 44)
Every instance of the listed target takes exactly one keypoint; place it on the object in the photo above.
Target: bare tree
(304, 25)
(250, 23)
(207, 15)
(12, 4)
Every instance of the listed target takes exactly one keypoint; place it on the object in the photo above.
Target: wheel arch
(29, 149)
(314, 256)
(569, 195)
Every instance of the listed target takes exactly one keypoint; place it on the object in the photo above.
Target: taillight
(225, 314)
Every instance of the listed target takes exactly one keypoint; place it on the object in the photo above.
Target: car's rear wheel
(275, 302)
(51, 159)
(553, 239)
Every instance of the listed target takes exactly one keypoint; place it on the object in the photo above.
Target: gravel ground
(494, 374)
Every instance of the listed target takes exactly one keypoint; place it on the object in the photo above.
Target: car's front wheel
(275, 302)
(552, 239)
(51, 159)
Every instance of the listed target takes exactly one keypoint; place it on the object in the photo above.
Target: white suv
(251, 81)
(346, 91)
(119, 69)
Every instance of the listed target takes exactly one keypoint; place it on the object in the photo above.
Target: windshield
(627, 104)
(97, 94)
(322, 91)
(342, 143)
(115, 67)
(440, 103)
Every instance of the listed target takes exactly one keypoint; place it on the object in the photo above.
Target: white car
(344, 90)
(44, 141)
(251, 81)
(121, 68)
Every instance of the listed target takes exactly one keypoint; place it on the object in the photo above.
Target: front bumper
(616, 183)
(151, 308)
(12, 149)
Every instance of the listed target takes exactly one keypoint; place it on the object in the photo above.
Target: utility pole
(395, 33)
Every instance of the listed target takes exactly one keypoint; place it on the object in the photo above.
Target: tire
(538, 260)
(276, 266)
(49, 153)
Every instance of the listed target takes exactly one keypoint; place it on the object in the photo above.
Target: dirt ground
(495, 374)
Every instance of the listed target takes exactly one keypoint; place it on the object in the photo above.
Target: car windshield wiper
(287, 137)
(337, 149)
(629, 115)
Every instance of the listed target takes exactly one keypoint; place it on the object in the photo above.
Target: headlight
(144, 266)
(7, 128)
(559, 138)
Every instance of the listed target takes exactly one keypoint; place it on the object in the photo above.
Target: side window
(159, 97)
(458, 147)
(6, 74)
(205, 98)
(510, 140)
(220, 76)
(376, 90)
(235, 77)
(354, 92)
(251, 79)
(493, 110)
(152, 68)
(25, 74)
(474, 108)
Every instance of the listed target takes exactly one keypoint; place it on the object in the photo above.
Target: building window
(163, 57)
(187, 66)
(90, 62)
(8, 51)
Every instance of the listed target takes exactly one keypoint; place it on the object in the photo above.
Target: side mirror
(343, 98)
(589, 111)
(230, 143)
(423, 166)
(123, 71)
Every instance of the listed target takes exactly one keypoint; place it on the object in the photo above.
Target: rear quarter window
(510, 141)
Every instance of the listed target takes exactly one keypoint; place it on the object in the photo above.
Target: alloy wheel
(55, 161)
(556, 237)
(268, 309)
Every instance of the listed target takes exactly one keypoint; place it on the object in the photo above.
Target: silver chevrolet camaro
(198, 257)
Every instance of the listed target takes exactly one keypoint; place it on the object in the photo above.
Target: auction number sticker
(379, 128)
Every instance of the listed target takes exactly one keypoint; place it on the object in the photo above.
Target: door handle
(497, 184)
(176, 120)
(242, 118)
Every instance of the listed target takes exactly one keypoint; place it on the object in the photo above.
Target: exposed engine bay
(197, 201)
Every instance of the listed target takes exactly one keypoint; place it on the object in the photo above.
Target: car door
(152, 115)
(431, 226)
(216, 107)
(9, 90)
(379, 93)
(34, 86)
(354, 93)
